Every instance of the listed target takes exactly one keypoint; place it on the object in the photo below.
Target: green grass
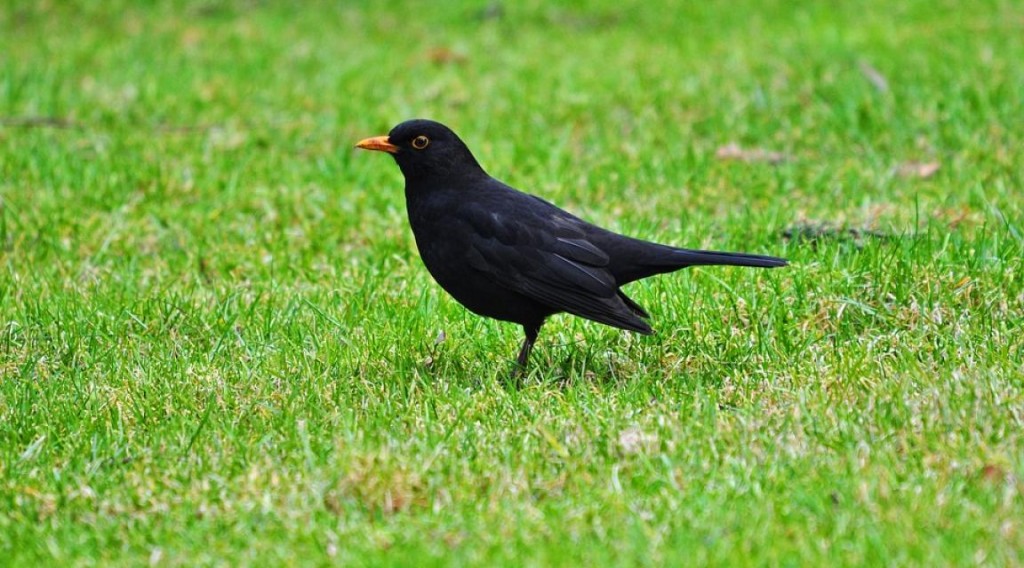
(217, 341)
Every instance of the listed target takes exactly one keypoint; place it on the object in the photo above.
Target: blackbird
(512, 256)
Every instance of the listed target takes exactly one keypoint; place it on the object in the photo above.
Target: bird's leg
(524, 351)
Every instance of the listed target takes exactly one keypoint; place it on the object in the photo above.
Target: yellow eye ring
(420, 142)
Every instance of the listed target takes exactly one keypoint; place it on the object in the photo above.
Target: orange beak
(378, 143)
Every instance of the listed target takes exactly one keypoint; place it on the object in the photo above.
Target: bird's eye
(420, 142)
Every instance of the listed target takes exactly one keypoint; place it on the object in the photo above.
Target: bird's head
(425, 150)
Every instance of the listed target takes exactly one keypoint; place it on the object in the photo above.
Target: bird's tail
(681, 258)
(642, 259)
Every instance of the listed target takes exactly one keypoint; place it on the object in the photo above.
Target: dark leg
(524, 352)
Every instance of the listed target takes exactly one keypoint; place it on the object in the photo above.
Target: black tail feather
(682, 258)
(641, 259)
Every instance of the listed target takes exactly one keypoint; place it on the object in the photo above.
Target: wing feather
(553, 263)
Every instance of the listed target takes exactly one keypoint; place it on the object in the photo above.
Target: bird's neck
(439, 178)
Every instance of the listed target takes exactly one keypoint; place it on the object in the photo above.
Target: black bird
(512, 256)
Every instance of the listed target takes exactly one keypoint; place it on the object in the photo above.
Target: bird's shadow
(584, 361)
(565, 364)
(576, 356)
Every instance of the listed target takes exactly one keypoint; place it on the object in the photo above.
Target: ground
(218, 345)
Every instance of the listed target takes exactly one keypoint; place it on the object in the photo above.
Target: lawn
(218, 345)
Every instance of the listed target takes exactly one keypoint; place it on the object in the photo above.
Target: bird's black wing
(542, 252)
